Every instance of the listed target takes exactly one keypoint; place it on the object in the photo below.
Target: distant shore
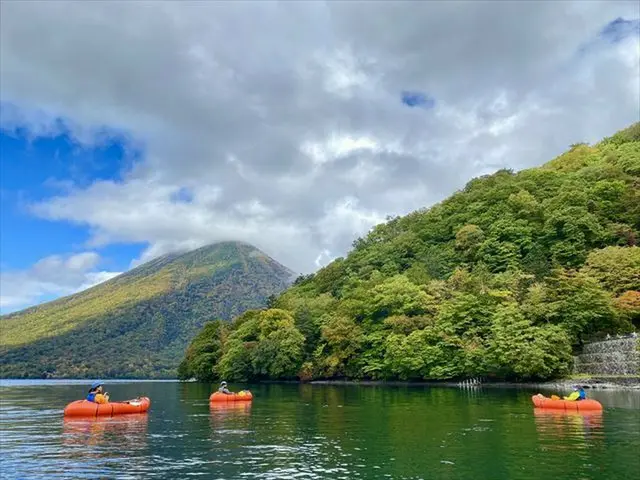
(596, 383)
(602, 383)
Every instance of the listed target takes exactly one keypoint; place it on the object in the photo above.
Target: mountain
(139, 323)
(503, 279)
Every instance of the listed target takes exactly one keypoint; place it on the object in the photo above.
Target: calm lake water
(305, 431)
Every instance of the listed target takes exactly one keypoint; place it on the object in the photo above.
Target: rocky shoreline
(622, 383)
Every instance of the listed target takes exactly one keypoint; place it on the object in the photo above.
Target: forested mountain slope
(502, 279)
(139, 323)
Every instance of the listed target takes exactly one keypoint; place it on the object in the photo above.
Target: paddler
(577, 394)
(97, 394)
(223, 388)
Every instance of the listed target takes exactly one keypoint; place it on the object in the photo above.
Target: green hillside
(139, 323)
(504, 279)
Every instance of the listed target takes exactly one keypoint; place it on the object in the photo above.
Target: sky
(132, 129)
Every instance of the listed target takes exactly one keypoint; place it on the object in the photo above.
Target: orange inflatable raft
(243, 396)
(588, 405)
(84, 408)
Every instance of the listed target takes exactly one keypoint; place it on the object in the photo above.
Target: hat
(223, 383)
(95, 385)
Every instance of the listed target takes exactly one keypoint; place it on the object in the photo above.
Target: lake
(315, 431)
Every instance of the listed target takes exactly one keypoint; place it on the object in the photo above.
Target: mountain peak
(144, 318)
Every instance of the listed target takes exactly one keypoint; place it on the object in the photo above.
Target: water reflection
(232, 417)
(561, 430)
(130, 431)
(230, 408)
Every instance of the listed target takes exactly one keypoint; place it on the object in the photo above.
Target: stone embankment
(611, 357)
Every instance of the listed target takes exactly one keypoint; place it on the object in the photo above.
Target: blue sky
(417, 99)
(621, 28)
(34, 169)
(238, 134)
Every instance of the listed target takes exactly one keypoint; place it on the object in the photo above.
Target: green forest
(138, 324)
(504, 279)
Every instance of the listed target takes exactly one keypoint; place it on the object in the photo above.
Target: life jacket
(573, 397)
(583, 395)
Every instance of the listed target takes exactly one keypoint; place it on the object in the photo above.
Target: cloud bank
(294, 125)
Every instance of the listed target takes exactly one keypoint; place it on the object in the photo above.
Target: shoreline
(593, 383)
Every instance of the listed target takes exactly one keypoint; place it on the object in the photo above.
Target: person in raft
(577, 394)
(223, 388)
(97, 394)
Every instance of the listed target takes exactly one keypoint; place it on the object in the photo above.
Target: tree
(235, 362)
(628, 304)
(280, 345)
(426, 354)
(397, 295)
(616, 268)
(266, 345)
(341, 343)
(574, 301)
(203, 353)
(518, 349)
(468, 240)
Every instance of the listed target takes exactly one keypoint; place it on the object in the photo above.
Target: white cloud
(323, 258)
(50, 277)
(342, 73)
(338, 146)
(283, 121)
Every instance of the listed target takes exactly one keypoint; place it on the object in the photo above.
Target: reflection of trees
(306, 392)
(126, 431)
(562, 430)
(195, 394)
